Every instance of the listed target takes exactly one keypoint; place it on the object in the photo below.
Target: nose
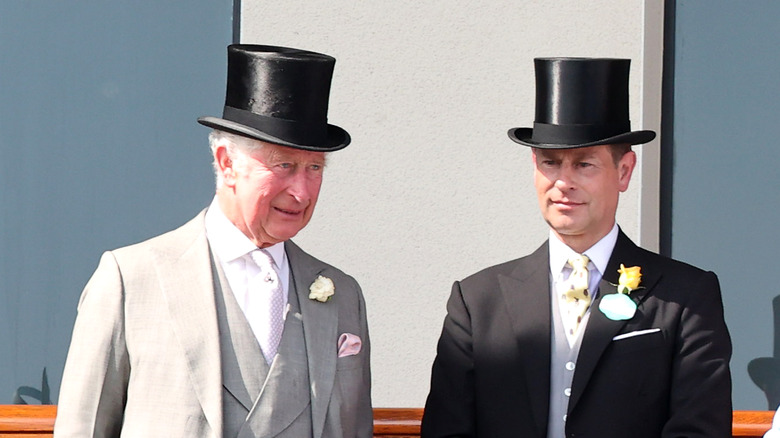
(565, 178)
(299, 187)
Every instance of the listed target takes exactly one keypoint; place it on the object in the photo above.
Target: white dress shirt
(598, 254)
(233, 249)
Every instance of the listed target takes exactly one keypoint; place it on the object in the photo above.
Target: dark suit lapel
(185, 273)
(320, 324)
(600, 329)
(527, 297)
(598, 335)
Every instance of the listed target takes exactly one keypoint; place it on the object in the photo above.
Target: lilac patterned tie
(576, 292)
(267, 304)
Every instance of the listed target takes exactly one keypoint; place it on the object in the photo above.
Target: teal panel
(100, 148)
(726, 153)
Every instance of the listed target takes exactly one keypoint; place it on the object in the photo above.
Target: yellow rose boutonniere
(619, 307)
(629, 279)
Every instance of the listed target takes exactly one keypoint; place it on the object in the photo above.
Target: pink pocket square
(349, 344)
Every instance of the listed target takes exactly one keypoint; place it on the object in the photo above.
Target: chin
(568, 229)
(562, 225)
(283, 235)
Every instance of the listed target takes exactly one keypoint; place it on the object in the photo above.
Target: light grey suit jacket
(144, 359)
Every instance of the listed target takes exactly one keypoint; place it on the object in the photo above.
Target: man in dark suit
(590, 335)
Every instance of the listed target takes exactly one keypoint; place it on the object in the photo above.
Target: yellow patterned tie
(576, 291)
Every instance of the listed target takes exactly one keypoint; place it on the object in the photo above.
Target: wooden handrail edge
(28, 419)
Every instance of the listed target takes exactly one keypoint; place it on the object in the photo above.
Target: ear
(225, 165)
(625, 168)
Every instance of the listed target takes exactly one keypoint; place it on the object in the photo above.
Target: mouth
(289, 212)
(566, 204)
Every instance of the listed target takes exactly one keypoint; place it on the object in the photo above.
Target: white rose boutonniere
(322, 289)
(619, 307)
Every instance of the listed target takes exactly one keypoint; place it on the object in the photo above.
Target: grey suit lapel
(285, 394)
(186, 281)
(320, 325)
(527, 296)
(244, 368)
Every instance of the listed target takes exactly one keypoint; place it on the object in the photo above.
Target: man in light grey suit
(224, 327)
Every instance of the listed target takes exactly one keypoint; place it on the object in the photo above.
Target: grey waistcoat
(562, 365)
(261, 400)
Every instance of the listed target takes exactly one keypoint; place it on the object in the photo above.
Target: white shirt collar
(598, 254)
(229, 243)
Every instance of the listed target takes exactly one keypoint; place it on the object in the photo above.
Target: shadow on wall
(42, 395)
(765, 371)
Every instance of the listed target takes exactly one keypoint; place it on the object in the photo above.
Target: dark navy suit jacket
(491, 376)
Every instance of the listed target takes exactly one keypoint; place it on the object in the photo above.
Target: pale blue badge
(617, 307)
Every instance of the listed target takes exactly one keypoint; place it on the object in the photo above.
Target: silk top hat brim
(337, 138)
(524, 136)
(580, 102)
(279, 95)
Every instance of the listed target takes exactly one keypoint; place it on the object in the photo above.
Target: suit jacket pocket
(641, 342)
(349, 362)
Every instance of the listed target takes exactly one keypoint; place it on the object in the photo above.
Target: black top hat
(580, 102)
(279, 95)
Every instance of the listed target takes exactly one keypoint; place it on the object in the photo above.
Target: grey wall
(431, 189)
(100, 148)
(726, 155)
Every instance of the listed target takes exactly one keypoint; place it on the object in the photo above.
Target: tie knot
(579, 262)
(576, 295)
(262, 259)
(577, 284)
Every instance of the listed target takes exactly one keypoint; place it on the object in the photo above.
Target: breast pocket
(349, 362)
(633, 342)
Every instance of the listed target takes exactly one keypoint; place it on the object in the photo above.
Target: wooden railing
(397, 422)
(28, 421)
(751, 423)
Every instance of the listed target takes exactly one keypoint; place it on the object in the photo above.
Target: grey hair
(237, 147)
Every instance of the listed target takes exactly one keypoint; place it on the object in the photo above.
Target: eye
(285, 165)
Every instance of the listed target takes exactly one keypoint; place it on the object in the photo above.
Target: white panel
(432, 189)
